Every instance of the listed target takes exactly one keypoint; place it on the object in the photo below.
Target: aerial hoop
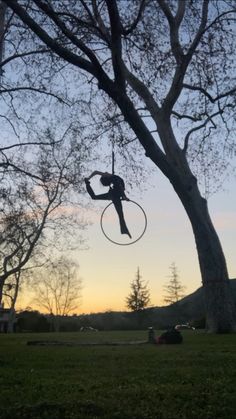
(141, 233)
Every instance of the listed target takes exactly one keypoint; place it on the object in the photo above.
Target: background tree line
(57, 290)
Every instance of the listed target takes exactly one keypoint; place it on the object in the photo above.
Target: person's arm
(121, 186)
(96, 172)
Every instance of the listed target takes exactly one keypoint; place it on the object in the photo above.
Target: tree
(10, 293)
(139, 297)
(35, 205)
(2, 24)
(174, 289)
(164, 72)
(57, 287)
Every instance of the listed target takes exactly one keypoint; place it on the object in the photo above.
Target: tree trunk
(3, 8)
(11, 321)
(2, 281)
(220, 306)
(219, 303)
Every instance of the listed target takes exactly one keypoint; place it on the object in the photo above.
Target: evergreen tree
(174, 289)
(139, 297)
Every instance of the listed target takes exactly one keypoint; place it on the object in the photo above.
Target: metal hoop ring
(134, 241)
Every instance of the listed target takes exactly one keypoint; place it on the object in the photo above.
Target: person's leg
(119, 209)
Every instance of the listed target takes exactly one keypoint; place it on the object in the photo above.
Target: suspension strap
(113, 160)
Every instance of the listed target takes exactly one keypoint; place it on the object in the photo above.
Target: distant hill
(188, 309)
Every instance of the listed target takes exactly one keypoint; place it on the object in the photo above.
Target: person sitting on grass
(169, 337)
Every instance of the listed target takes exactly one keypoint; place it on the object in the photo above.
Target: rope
(113, 160)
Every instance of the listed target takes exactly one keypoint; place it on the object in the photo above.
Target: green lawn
(194, 380)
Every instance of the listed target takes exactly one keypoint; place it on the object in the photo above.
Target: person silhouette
(115, 194)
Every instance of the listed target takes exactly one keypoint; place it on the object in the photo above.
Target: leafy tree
(139, 297)
(155, 73)
(174, 289)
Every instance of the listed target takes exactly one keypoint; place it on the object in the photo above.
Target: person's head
(106, 179)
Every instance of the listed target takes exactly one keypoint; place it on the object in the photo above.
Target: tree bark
(3, 8)
(220, 310)
(1, 289)
(220, 307)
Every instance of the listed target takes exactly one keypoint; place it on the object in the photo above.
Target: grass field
(194, 380)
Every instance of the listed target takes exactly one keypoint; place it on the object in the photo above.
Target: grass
(194, 380)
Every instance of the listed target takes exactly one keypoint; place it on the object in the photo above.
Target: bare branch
(200, 32)
(142, 90)
(183, 116)
(204, 92)
(2, 24)
(98, 19)
(96, 67)
(48, 40)
(182, 60)
(209, 119)
(11, 124)
(218, 18)
(127, 31)
(23, 54)
(174, 23)
(180, 12)
(33, 89)
(28, 143)
(116, 46)
(19, 170)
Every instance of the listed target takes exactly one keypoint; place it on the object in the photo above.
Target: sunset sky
(108, 269)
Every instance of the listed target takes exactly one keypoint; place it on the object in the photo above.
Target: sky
(107, 269)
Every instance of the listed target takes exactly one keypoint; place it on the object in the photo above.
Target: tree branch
(127, 31)
(183, 60)
(183, 116)
(180, 12)
(141, 89)
(19, 170)
(98, 19)
(218, 18)
(24, 54)
(204, 92)
(29, 143)
(48, 10)
(49, 41)
(200, 32)
(209, 119)
(33, 89)
(116, 46)
(174, 23)
(11, 124)
(29, 251)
